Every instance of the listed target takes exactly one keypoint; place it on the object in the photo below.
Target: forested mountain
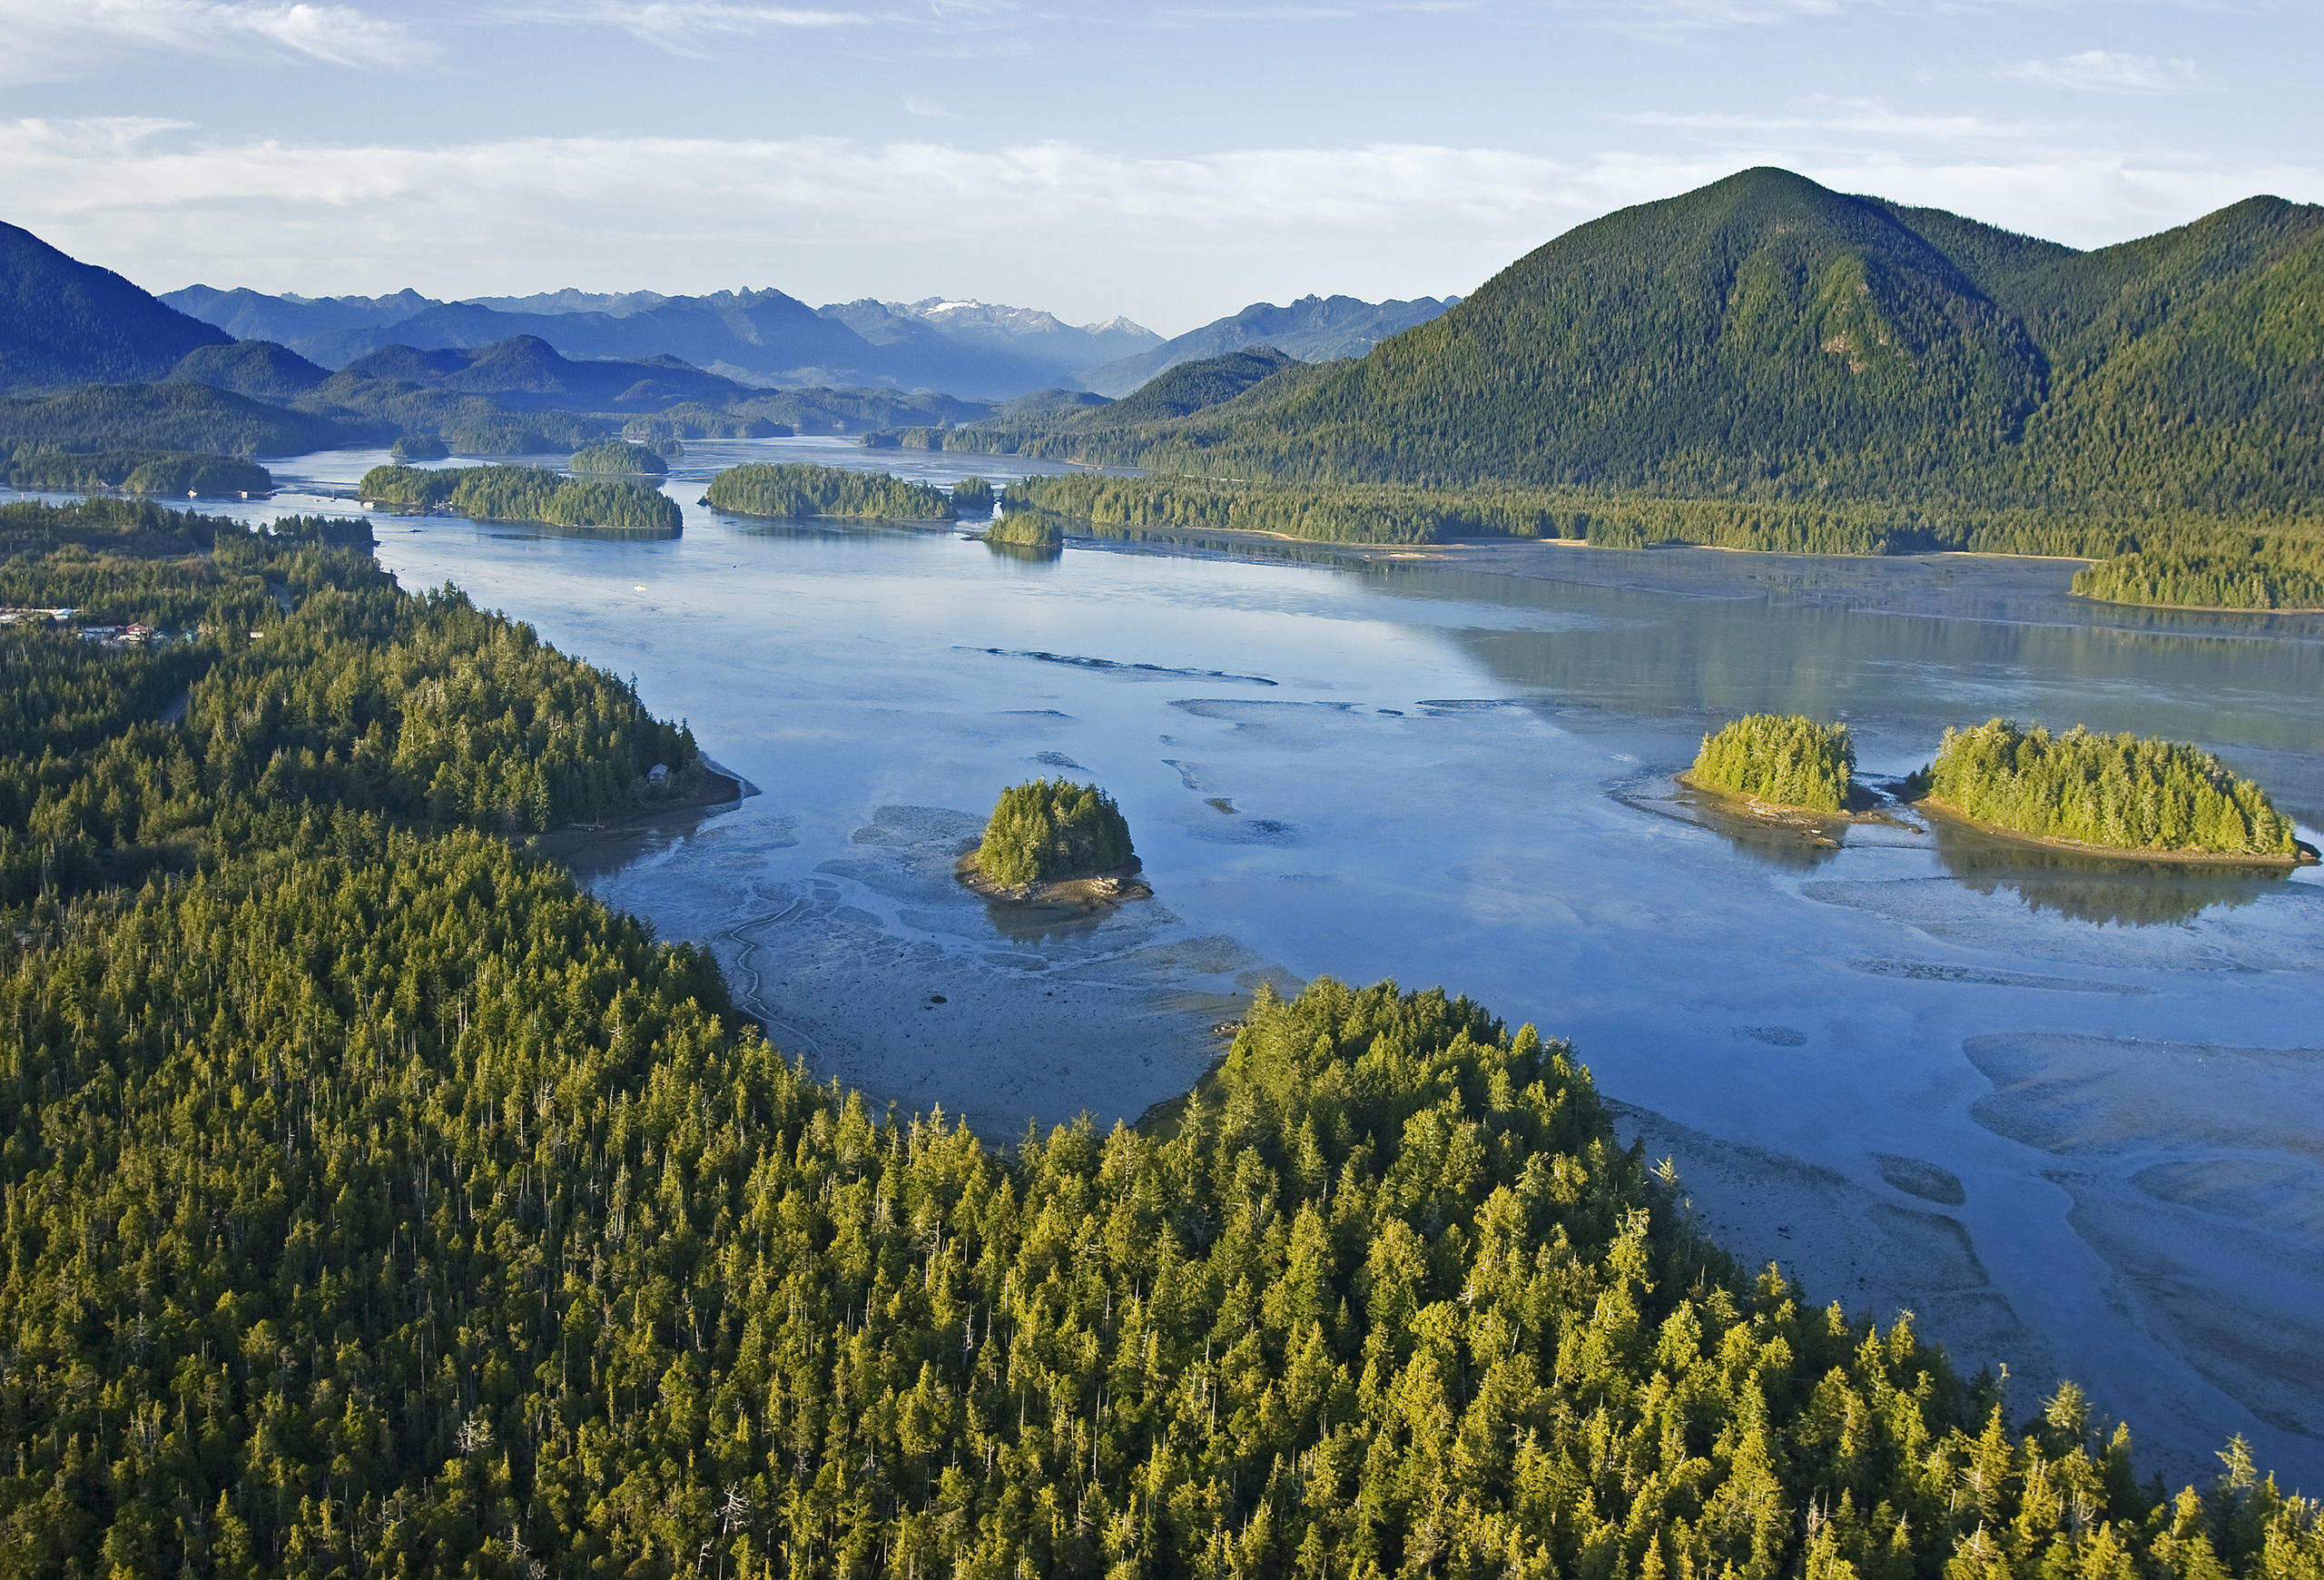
(971, 348)
(179, 415)
(1766, 337)
(1055, 423)
(1314, 329)
(527, 372)
(65, 323)
(759, 334)
(259, 369)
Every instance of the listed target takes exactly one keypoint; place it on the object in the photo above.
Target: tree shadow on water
(2121, 890)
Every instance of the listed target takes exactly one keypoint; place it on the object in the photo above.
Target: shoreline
(2192, 608)
(2303, 854)
(1090, 892)
(720, 787)
(1778, 810)
(1368, 550)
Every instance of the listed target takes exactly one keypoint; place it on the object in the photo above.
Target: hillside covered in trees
(138, 471)
(65, 323)
(1766, 338)
(2271, 573)
(1405, 513)
(376, 1202)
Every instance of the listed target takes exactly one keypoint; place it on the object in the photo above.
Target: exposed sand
(2197, 1173)
(941, 996)
(1879, 1253)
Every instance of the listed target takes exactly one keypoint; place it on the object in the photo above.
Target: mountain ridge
(1313, 328)
(65, 323)
(1766, 336)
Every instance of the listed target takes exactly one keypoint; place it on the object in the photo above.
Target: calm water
(2071, 1114)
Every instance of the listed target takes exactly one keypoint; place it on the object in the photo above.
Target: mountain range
(1766, 337)
(1763, 337)
(761, 337)
(1313, 328)
(973, 348)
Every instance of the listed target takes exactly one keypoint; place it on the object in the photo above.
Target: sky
(1171, 163)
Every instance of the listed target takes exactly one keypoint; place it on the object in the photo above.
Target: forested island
(379, 1202)
(138, 471)
(621, 457)
(972, 497)
(1026, 530)
(794, 491)
(2111, 793)
(414, 447)
(1783, 761)
(534, 494)
(1048, 832)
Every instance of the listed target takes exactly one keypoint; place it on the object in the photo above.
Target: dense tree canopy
(1400, 513)
(528, 494)
(287, 674)
(374, 1203)
(2116, 791)
(2268, 575)
(796, 492)
(1787, 760)
(186, 418)
(1047, 829)
(138, 471)
(619, 455)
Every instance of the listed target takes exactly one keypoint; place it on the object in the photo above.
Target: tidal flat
(2069, 1116)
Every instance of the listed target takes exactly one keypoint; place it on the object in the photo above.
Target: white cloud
(690, 26)
(839, 187)
(52, 40)
(1846, 125)
(2101, 72)
(846, 218)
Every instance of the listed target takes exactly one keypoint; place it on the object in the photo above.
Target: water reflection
(2102, 889)
(1031, 553)
(1801, 843)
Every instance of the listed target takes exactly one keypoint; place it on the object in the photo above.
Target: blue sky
(1169, 161)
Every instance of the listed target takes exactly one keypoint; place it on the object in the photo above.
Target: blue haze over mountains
(767, 339)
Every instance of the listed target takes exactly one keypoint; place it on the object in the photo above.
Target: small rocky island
(2113, 794)
(1052, 842)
